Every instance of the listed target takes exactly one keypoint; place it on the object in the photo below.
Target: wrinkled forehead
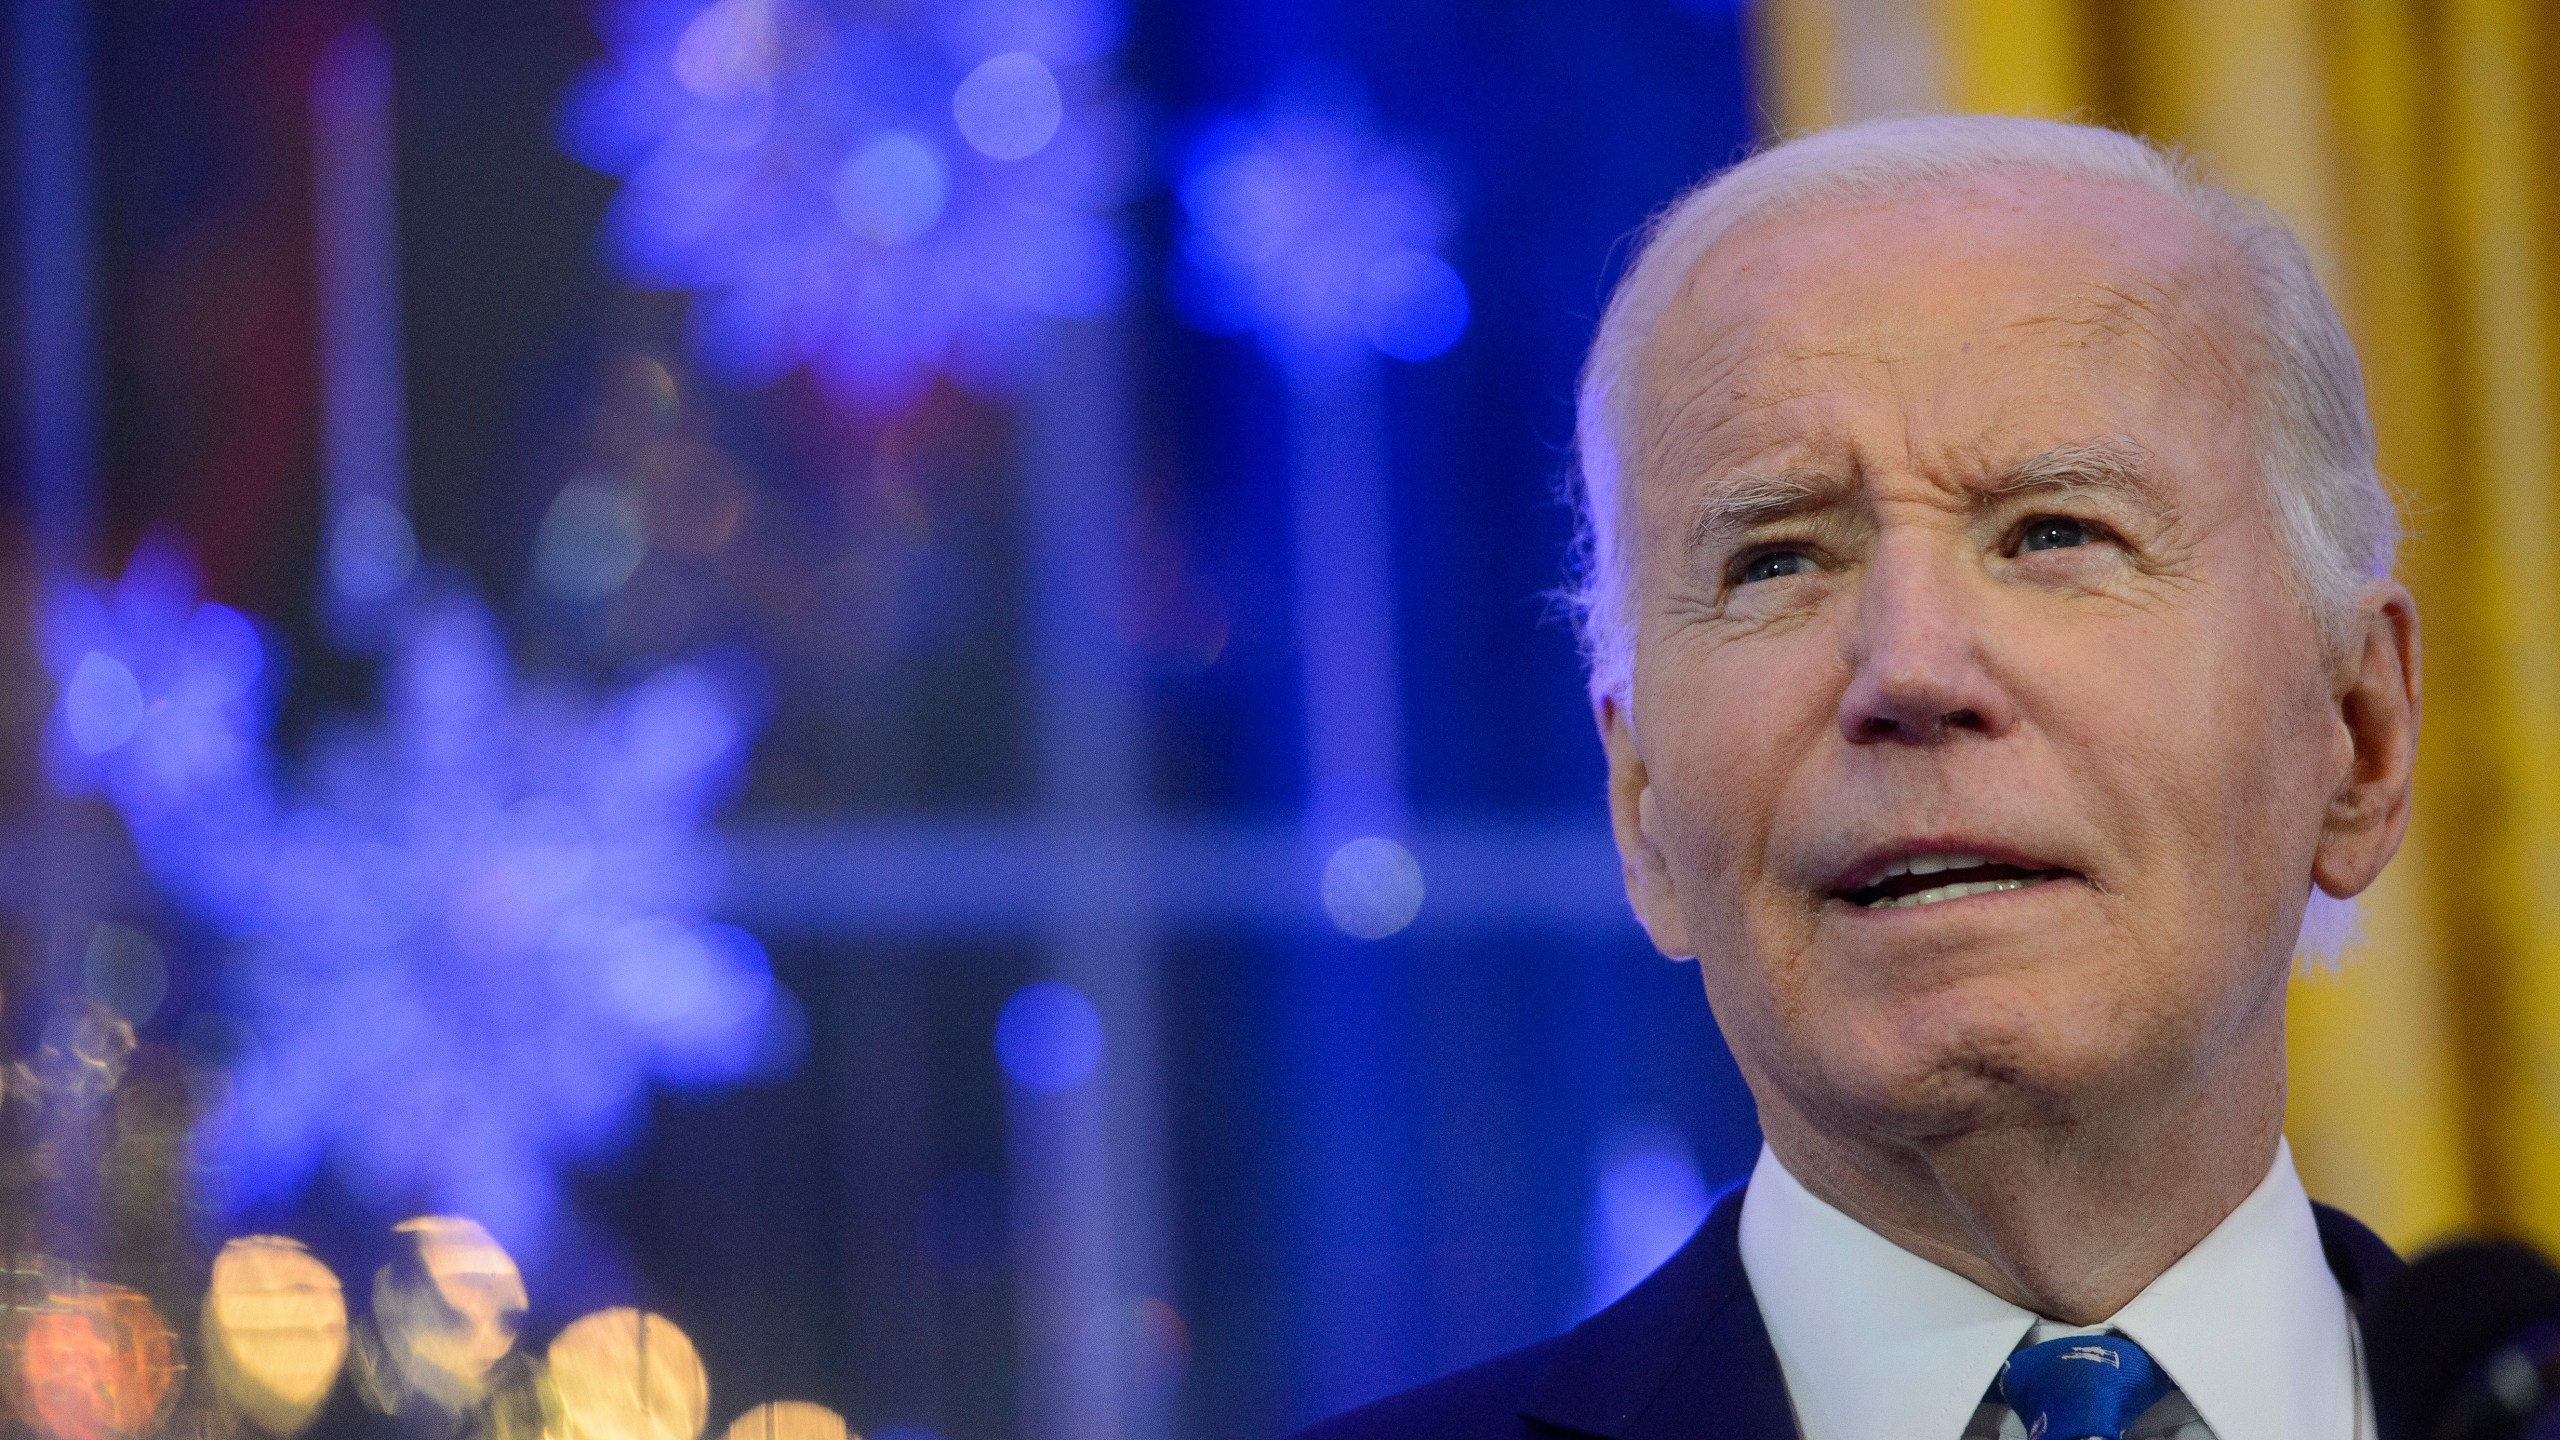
(2024, 284)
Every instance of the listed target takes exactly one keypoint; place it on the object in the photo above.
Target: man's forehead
(2056, 279)
(1785, 290)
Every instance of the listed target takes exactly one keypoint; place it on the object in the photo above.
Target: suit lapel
(1683, 1356)
(2357, 1256)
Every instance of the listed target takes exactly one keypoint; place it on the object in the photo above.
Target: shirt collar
(1873, 1340)
(2251, 1325)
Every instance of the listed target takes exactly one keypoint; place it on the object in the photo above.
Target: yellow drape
(2409, 142)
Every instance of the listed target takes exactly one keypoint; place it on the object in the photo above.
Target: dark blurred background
(1155, 1049)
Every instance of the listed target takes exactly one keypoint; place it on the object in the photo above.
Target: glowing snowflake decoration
(1319, 236)
(163, 706)
(882, 191)
(471, 936)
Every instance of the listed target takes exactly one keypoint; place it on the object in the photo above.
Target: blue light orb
(590, 540)
(892, 189)
(1009, 107)
(1311, 232)
(880, 193)
(123, 969)
(1413, 305)
(1048, 1037)
(1649, 1200)
(372, 550)
(102, 706)
(467, 934)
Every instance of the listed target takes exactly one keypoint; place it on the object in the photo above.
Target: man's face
(1953, 558)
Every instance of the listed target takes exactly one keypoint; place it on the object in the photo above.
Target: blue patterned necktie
(2081, 1387)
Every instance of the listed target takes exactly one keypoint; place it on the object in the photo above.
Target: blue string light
(469, 936)
(881, 193)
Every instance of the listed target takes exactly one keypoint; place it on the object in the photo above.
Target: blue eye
(1773, 565)
(2053, 532)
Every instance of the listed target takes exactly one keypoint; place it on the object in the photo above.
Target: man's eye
(2053, 532)
(1773, 565)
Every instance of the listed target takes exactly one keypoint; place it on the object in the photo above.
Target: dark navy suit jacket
(1682, 1357)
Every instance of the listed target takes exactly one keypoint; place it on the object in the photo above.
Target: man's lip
(1871, 865)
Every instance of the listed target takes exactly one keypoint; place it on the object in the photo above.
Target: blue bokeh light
(1317, 235)
(590, 541)
(1650, 1198)
(372, 550)
(124, 969)
(102, 705)
(1048, 1037)
(892, 189)
(1415, 305)
(881, 198)
(1009, 107)
(466, 937)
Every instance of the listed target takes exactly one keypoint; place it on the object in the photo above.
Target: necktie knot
(2081, 1387)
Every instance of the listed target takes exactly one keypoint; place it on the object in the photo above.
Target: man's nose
(1917, 650)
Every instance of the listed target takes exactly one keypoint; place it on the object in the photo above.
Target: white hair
(2337, 523)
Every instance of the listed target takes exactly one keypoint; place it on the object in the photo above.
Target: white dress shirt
(1879, 1344)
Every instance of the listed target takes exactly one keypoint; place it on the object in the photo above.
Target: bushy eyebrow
(1750, 499)
(2109, 465)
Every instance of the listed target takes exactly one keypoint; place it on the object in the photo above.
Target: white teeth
(1950, 892)
(1931, 864)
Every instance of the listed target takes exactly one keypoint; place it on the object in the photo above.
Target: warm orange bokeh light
(789, 1420)
(621, 1375)
(275, 1331)
(447, 1310)
(95, 1364)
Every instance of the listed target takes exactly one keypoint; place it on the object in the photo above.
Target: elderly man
(1992, 635)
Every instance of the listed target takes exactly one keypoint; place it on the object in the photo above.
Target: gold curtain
(2411, 143)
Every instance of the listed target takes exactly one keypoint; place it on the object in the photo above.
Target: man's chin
(1956, 1080)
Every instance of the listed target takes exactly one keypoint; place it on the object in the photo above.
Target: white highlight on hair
(2337, 522)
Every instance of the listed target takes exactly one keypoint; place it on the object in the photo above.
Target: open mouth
(1916, 880)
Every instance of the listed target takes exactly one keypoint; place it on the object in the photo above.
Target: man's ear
(1650, 888)
(2378, 708)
